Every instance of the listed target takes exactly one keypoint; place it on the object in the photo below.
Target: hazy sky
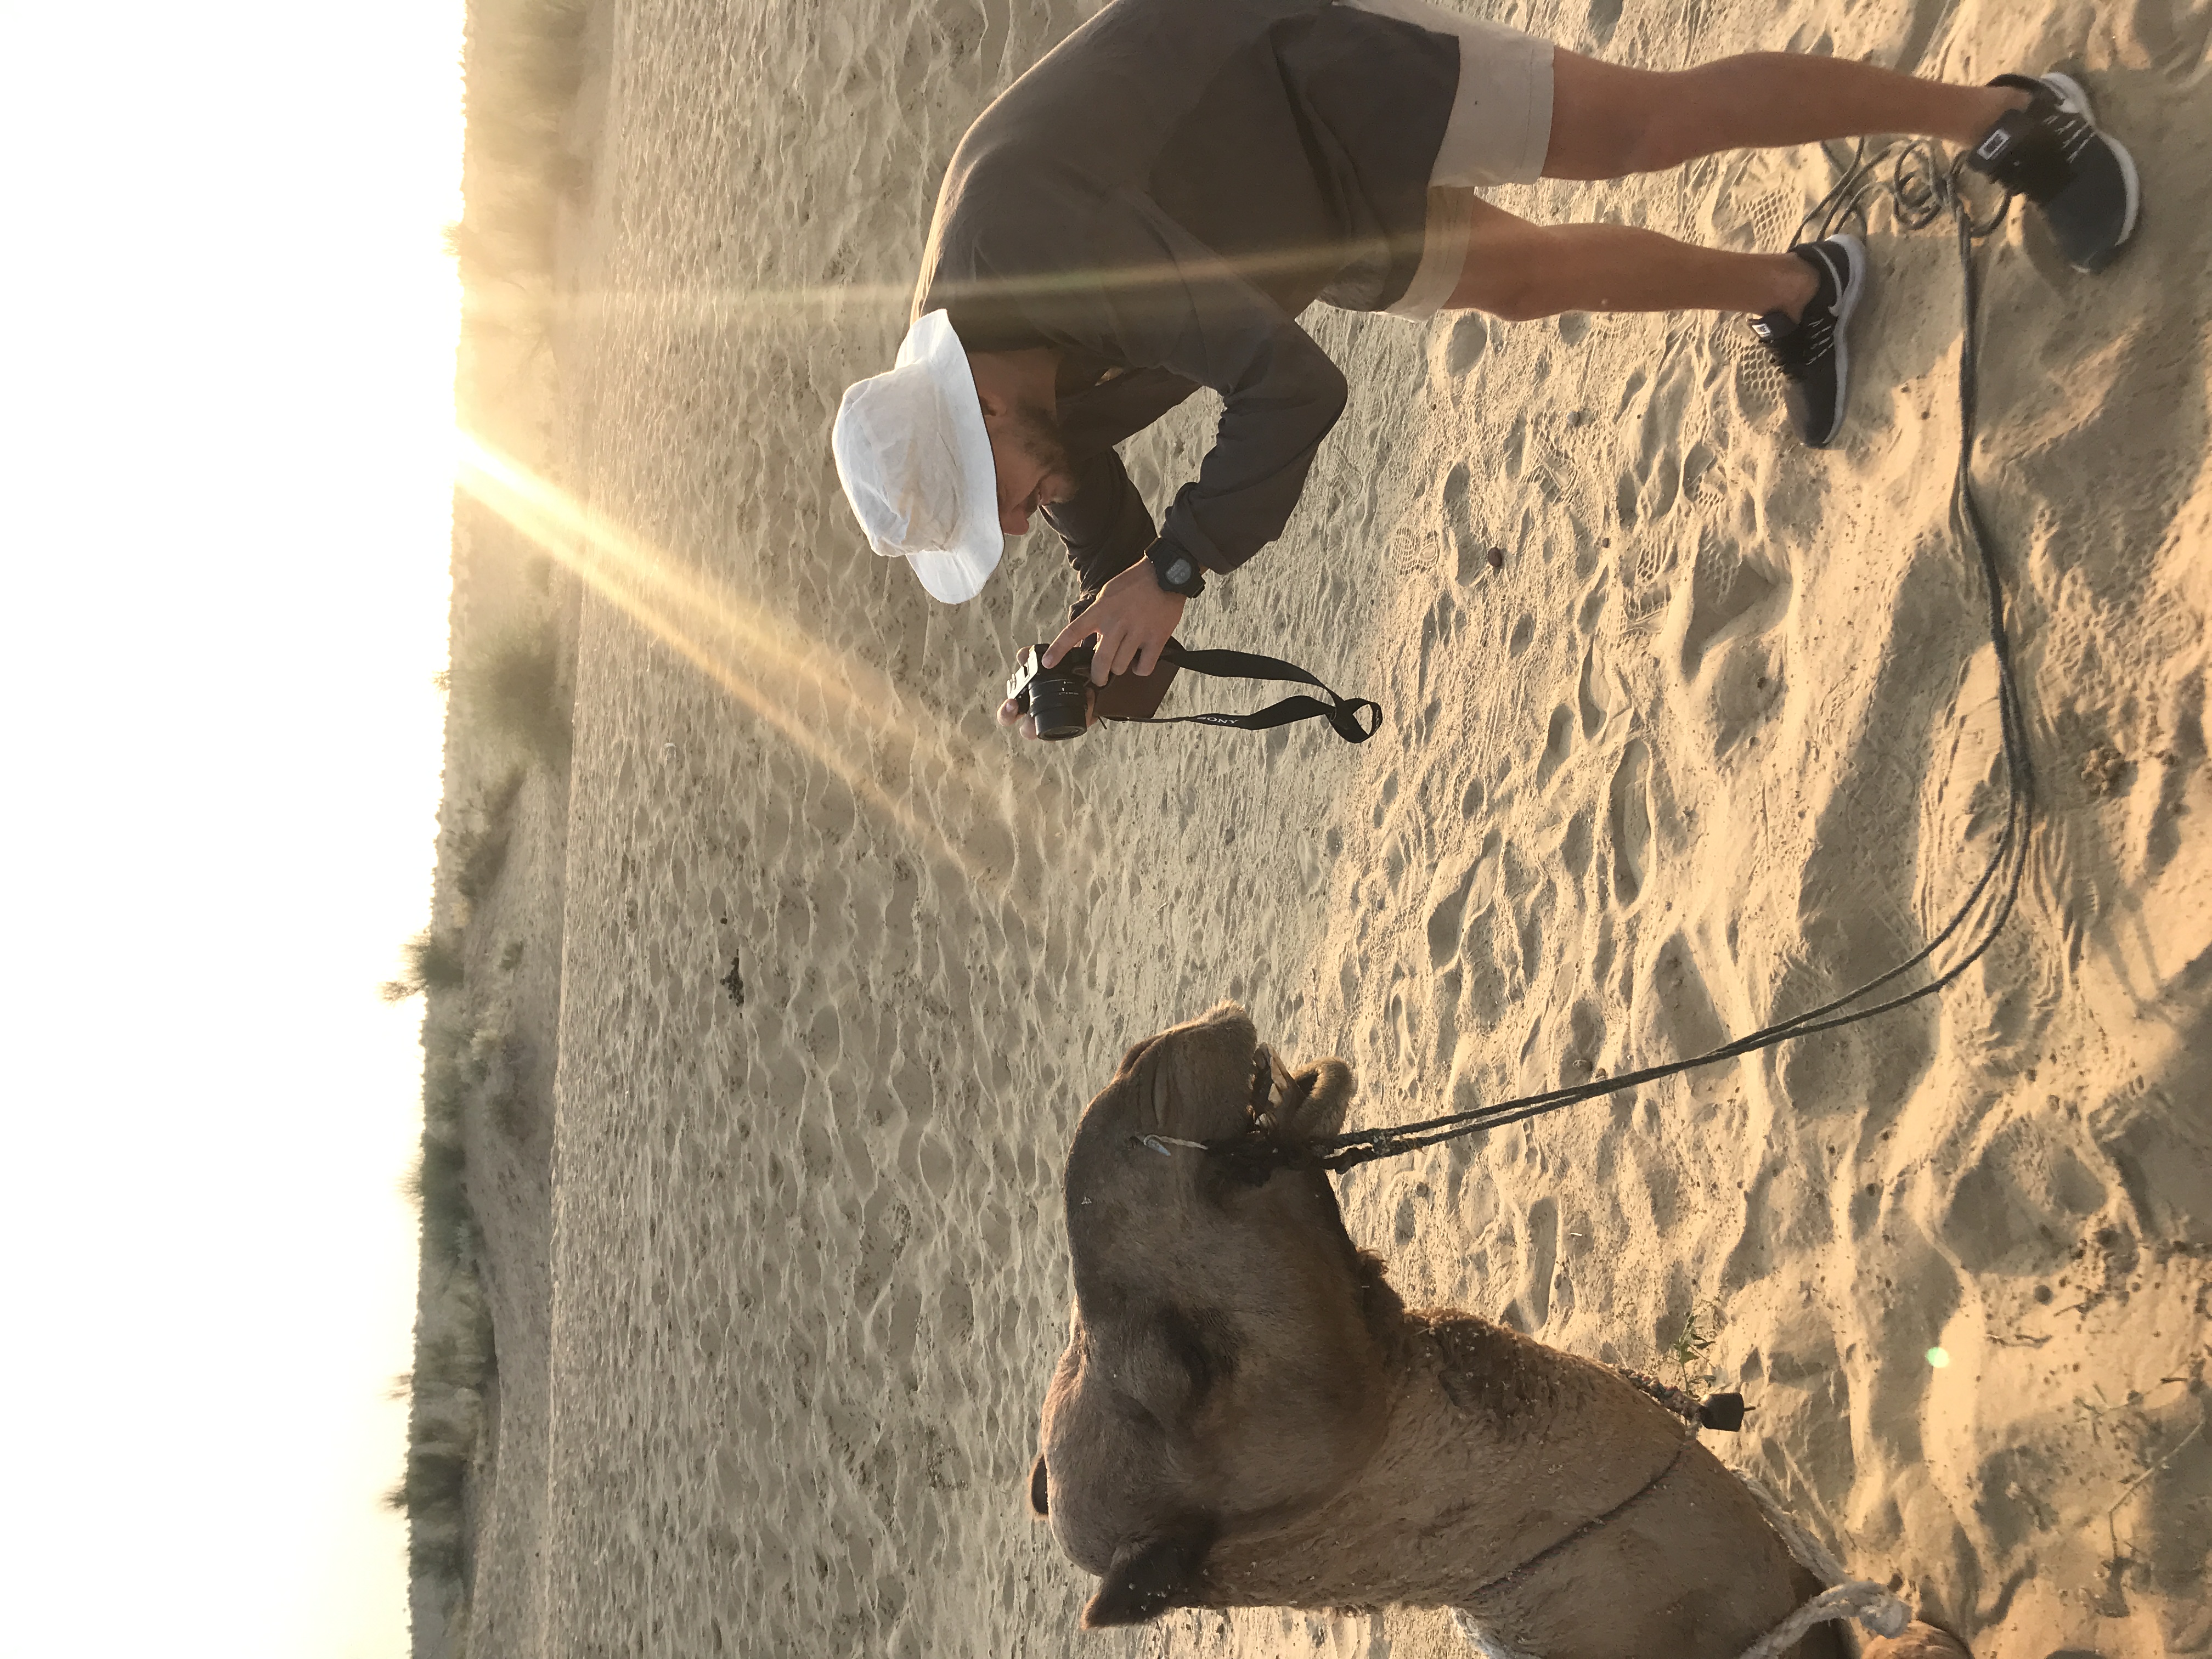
(226, 386)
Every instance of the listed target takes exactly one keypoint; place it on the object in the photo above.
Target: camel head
(1225, 1367)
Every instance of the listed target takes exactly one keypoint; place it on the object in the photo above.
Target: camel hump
(1148, 1576)
(1040, 1503)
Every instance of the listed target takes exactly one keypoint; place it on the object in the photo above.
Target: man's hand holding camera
(1133, 617)
(1129, 623)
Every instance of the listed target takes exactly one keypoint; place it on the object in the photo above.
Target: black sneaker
(2053, 154)
(1813, 351)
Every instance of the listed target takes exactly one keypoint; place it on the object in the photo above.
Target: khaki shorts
(1499, 130)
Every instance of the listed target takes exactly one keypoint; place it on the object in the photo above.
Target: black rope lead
(1921, 188)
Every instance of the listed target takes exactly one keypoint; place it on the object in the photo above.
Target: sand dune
(1715, 740)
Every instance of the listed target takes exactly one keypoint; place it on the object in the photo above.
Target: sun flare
(731, 641)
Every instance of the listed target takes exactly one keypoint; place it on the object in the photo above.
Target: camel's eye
(1202, 1344)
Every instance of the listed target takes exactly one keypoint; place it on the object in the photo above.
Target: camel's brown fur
(1247, 1415)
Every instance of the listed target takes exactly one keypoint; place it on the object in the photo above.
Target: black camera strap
(1353, 719)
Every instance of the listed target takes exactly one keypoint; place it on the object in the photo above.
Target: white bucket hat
(916, 464)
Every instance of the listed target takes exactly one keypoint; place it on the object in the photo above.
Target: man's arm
(1122, 607)
(1171, 303)
(1105, 524)
(1190, 313)
(1156, 298)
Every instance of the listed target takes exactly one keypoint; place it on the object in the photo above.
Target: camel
(1247, 1415)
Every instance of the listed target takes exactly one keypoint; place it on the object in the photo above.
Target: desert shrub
(453, 1352)
(432, 963)
(438, 1184)
(511, 1111)
(514, 688)
(435, 1551)
(445, 1093)
(462, 1068)
(492, 1059)
(523, 63)
(482, 856)
(480, 846)
(433, 1495)
(435, 960)
(436, 1476)
(443, 1429)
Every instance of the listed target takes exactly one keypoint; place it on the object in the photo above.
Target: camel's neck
(1496, 1446)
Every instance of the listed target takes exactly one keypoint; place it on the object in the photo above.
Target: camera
(1059, 696)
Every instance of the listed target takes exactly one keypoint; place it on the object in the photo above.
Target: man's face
(1032, 463)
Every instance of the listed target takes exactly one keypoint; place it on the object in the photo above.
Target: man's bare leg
(1519, 271)
(1609, 121)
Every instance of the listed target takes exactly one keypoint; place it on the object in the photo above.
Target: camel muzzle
(1270, 1141)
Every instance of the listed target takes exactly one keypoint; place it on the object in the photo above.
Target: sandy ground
(1716, 740)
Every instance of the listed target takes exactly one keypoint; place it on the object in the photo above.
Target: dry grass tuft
(1693, 1346)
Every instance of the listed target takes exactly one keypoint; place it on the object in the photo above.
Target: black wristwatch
(1174, 570)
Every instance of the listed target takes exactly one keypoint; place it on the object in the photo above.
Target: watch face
(1179, 573)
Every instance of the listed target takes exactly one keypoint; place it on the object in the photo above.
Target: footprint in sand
(1477, 887)
(1439, 626)
(1558, 743)
(1469, 337)
(1470, 550)
(2018, 1207)
(1574, 847)
(1593, 715)
(1683, 1016)
(1733, 604)
(1728, 597)
(1651, 483)
(1628, 820)
(1539, 1254)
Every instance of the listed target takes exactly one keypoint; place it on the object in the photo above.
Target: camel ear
(1143, 1580)
(1039, 1508)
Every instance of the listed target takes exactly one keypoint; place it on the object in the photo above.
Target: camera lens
(1059, 703)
